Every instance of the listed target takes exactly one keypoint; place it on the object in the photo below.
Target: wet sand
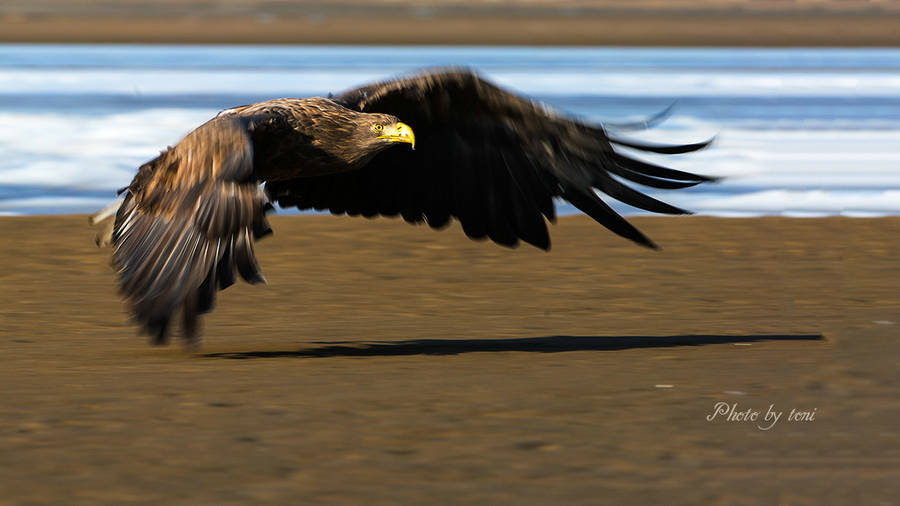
(390, 364)
(541, 22)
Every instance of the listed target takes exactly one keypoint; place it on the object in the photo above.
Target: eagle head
(382, 130)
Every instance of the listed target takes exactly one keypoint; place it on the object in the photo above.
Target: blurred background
(803, 96)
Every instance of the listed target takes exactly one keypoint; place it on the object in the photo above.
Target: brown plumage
(489, 158)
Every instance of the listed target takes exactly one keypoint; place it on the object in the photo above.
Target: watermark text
(764, 420)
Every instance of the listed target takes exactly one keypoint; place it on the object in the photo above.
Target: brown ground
(532, 22)
(388, 364)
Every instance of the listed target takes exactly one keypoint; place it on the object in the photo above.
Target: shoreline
(680, 28)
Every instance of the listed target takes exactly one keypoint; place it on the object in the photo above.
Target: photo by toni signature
(731, 413)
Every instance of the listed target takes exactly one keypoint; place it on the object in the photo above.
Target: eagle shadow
(550, 344)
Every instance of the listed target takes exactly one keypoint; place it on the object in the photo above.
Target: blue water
(799, 131)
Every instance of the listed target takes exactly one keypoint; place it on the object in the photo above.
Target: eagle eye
(378, 127)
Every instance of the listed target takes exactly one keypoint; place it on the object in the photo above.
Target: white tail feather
(104, 236)
(107, 211)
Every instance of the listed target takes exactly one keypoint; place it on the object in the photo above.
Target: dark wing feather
(186, 225)
(489, 158)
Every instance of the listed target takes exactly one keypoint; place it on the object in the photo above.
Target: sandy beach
(390, 364)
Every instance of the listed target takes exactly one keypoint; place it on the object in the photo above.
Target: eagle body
(305, 137)
(494, 161)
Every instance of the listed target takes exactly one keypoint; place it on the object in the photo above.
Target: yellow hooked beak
(399, 132)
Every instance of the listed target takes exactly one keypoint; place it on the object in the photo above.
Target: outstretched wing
(489, 158)
(185, 225)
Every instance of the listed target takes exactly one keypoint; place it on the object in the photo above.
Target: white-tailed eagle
(492, 160)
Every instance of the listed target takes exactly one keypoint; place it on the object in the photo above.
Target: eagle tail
(104, 219)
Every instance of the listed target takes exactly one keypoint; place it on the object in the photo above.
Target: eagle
(439, 145)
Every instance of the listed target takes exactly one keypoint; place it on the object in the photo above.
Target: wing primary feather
(653, 182)
(206, 293)
(189, 317)
(225, 267)
(246, 260)
(590, 204)
(499, 205)
(528, 222)
(643, 124)
(526, 218)
(649, 169)
(632, 197)
(673, 149)
(158, 328)
(261, 228)
(470, 201)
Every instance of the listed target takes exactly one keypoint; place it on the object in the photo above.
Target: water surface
(799, 131)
